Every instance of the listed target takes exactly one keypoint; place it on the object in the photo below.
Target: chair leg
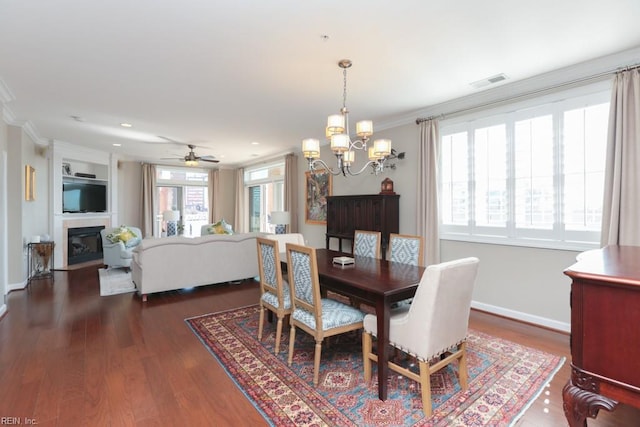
(260, 323)
(425, 384)
(292, 341)
(366, 350)
(278, 333)
(316, 362)
(463, 371)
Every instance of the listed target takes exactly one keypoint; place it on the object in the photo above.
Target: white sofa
(182, 262)
(283, 239)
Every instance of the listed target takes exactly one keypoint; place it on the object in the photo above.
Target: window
(533, 176)
(184, 190)
(265, 188)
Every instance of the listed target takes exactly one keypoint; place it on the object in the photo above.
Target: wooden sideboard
(375, 212)
(605, 332)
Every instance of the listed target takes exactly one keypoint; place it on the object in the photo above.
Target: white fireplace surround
(82, 159)
(78, 223)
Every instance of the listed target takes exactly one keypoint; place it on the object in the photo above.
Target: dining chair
(366, 243)
(433, 329)
(274, 291)
(317, 316)
(406, 249)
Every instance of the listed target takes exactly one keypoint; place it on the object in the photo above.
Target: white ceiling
(223, 75)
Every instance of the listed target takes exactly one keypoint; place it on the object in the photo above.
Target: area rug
(115, 281)
(504, 378)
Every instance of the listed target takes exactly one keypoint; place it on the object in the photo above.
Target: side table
(40, 260)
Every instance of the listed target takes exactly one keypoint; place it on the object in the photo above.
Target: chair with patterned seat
(317, 316)
(433, 329)
(274, 291)
(406, 249)
(366, 243)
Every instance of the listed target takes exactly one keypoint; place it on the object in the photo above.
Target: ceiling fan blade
(208, 159)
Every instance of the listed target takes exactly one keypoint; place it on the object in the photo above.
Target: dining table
(375, 282)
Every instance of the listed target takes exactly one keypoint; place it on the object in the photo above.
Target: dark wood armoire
(374, 212)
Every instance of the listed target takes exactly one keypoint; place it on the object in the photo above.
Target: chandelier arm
(312, 166)
(377, 168)
(358, 144)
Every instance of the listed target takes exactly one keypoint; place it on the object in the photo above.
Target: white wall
(129, 193)
(3, 218)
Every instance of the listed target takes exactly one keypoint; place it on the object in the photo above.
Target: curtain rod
(529, 94)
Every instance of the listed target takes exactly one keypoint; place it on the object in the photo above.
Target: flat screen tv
(84, 197)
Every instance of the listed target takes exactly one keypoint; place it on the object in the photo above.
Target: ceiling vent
(489, 81)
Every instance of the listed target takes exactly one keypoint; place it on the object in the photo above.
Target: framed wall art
(318, 188)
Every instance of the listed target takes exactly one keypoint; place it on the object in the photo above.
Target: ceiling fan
(192, 160)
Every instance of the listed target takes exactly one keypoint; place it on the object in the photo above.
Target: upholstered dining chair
(433, 329)
(319, 317)
(406, 249)
(274, 291)
(366, 243)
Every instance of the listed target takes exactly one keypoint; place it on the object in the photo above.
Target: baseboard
(523, 317)
(16, 286)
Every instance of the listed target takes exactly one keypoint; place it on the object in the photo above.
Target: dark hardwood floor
(69, 357)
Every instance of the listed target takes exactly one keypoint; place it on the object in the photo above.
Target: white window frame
(555, 104)
(269, 179)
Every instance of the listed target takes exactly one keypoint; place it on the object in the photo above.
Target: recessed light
(117, 145)
(126, 125)
(255, 143)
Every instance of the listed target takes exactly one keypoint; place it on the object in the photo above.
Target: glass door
(192, 203)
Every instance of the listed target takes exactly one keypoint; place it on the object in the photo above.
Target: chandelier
(337, 132)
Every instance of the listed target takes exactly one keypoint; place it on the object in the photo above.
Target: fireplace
(84, 244)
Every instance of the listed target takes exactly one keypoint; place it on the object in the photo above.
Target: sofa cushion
(220, 227)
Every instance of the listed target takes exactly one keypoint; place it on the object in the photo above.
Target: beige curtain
(291, 190)
(215, 208)
(148, 200)
(427, 190)
(621, 207)
(239, 219)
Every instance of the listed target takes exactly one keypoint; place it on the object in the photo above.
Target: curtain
(148, 200)
(215, 208)
(621, 204)
(427, 191)
(239, 219)
(291, 190)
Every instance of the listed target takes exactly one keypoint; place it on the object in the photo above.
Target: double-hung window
(531, 176)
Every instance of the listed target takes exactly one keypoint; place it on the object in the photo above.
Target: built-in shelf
(70, 178)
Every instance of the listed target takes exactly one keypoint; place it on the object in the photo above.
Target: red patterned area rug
(504, 378)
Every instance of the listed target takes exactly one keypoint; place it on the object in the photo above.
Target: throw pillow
(221, 227)
(123, 234)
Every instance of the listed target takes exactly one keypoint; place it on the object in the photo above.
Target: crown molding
(7, 115)
(580, 74)
(30, 129)
(5, 93)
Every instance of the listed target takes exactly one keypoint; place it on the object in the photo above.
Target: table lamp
(280, 219)
(171, 217)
